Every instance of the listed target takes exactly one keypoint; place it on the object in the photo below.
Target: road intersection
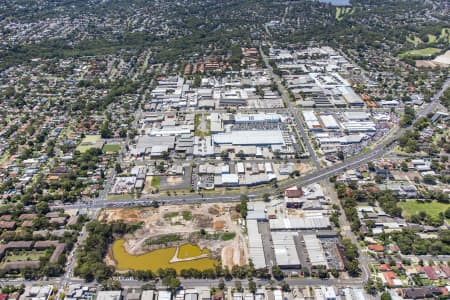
(321, 174)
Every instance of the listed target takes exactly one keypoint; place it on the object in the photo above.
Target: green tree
(386, 296)
(238, 285)
(251, 286)
(105, 131)
(447, 213)
(429, 179)
(370, 287)
(404, 166)
(197, 81)
(111, 285)
(221, 285)
(353, 268)
(224, 155)
(408, 116)
(242, 207)
(323, 273)
(285, 287)
(42, 208)
(277, 273)
(172, 282)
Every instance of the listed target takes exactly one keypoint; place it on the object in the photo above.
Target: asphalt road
(310, 178)
(319, 175)
(293, 111)
(189, 283)
(348, 233)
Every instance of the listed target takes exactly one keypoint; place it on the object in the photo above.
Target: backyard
(23, 255)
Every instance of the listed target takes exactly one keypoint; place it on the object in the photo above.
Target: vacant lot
(90, 141)
(202, 125)
(195, 224)
(155, 182)
(443, 59)
(431, 208)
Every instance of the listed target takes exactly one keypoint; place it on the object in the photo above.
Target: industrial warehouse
(349, 131)
(294, 232)
(243, 149)
(340, 121)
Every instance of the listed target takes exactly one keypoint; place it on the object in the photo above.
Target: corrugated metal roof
(255, 245)
(315, 250)
(250, 137)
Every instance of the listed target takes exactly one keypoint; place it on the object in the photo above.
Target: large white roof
(241, 118)
(250, 137)
(329, 121)
(315, 250)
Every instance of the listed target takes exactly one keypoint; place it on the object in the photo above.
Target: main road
(190, 283)
(321, 173)
(318, 175)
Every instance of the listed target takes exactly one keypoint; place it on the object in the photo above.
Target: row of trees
(445, 98)
(408, 116)
(242, 206)
(351, 253)
(410, 243)
(238, 272)
(422, 217)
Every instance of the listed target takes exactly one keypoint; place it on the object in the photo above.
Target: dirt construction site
(186, 221)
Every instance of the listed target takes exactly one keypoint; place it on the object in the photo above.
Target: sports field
(90, 141)
(425, 52)
(111, 148)
(431, 208)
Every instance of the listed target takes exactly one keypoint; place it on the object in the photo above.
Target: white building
(315, 250)
(109, 295)
(329, 122)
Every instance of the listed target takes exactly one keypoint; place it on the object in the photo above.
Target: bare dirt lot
(187, 221)
(426, 64)
(303, 168)
(174, 180)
